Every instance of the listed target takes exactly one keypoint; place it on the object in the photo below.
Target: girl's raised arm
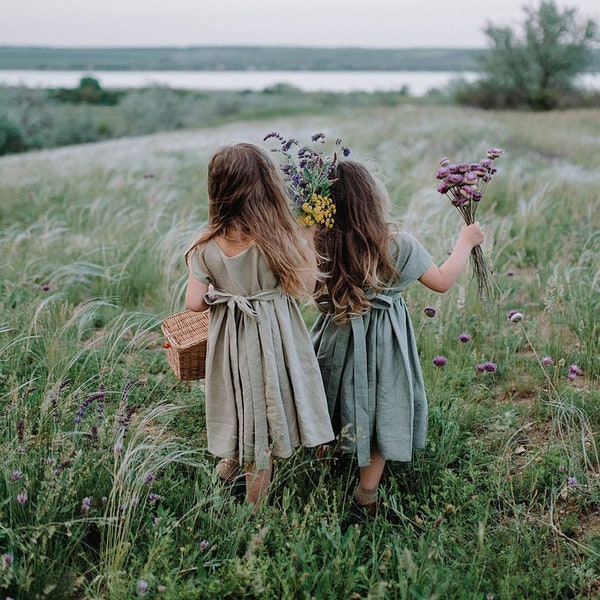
(441, 279)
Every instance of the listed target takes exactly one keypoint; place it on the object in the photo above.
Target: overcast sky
(324, 23)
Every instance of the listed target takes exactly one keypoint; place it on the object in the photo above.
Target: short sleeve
(412, 260)
(197, 266)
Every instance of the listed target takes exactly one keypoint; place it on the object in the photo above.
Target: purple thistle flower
(494, 153)
(515, 316)
(7, 560)
(575, 370)
(572, 481)
(22, 498)
(464, 338)
(490, 367)
(440, 361)
(16, 475)
(547, 360)
(142, 587)
(429, 311)
(480, 368)
(571, 377)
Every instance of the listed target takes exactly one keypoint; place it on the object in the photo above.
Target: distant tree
(539, 66)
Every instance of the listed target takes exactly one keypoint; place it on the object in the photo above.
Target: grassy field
(107, 490)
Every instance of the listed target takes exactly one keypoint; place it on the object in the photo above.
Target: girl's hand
(472, 234)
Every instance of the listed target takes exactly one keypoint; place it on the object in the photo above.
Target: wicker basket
(186, 333)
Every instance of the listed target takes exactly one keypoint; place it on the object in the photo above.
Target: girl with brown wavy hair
(264, 392)
(364, 339)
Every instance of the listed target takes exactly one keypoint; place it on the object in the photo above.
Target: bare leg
(371, 475)
(257, 484)
(366, 492)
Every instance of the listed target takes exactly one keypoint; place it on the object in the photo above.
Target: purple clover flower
(16, 475)
(572, 481)
(575, 370)
(464, 338)
(142, 587)
(429, 311)
(547, 361)
(571, 377)
(480, 368)
(22, 498)
(490, 367)
(440, 361)
(7, 560)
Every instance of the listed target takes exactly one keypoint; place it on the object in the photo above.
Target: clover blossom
(429, 311)
(16, 475)
(22, 498)
(464, 338)
(547, 361)
(440, 361)
(308, 176)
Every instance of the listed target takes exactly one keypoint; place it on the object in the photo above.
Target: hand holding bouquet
(308, 175)
(464, 185)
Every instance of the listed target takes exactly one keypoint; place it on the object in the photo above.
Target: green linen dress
(371, 368)
(264, 392)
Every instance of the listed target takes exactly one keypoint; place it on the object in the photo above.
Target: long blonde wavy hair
(355, 252)
(247, 195)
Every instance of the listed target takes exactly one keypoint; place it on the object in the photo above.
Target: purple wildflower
(46, 287)
(480, 367)
(575, 370)
(490, 367)
(547, 360)
(22, 498)
(571, 377)
(510, 273)
(203, 545)
(429, 311)
(7, 560)
(149, 477)
(572, 481)
(142, 587)
(85, 505)
(440, 361)
(464, 338)
(16, 475)
(514, 316)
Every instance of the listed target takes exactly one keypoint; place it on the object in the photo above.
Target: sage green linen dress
(264, 392)
(371, 368)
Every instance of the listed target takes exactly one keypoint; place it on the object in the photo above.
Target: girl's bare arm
(441, 279)
(194, 294)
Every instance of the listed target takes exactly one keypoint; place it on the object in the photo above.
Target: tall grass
(107, 490)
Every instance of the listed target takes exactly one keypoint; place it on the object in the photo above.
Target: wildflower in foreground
(22, 498)
(575, 370)
(429, 311)
(440, 361)
(464, 338)
(203, 545)
(547, 360)
(16, 475)
(7, 560)
(572, 481)
(142, 587)
(514, 316)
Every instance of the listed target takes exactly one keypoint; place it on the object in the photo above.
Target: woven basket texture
(186, 334)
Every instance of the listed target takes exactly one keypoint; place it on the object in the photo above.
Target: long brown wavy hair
(247, 196)
(355, 252)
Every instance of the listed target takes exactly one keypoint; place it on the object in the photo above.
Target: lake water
(417, 82)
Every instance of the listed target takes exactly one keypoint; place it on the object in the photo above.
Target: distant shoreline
(238, 58)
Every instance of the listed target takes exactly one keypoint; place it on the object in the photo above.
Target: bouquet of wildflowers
(464, 185)
(308, 175)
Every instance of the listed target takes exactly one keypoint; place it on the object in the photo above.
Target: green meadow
(107, 490)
